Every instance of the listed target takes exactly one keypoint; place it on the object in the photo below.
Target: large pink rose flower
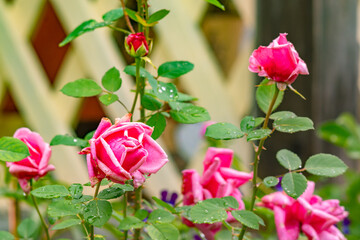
(123, 151)
(218, 180)
(309, 213)
(279, 61)
(34, 166)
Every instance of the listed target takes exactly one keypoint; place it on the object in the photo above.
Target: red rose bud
(136, 45)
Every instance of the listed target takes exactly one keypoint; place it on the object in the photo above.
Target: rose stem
(46, 228)
(138, 196)
(257, 158)
(126, 16)
(14, 212)
(124, 213)
(138, 62)
(95, 195)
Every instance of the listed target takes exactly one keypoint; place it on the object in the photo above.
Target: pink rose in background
(136, 45)
(218, 180)
(279, 61)
(123, 151)
(34, 166)
(309, 213)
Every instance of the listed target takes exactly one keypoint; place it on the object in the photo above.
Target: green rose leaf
(160, 216)
(27, 229)
(150, 103)
(258, 134)
(223, 234)
(67, 223)
(110, 193)
(164, 204)
(50, 191)
(294, 184)
(157, 16)
(97, 212)
(163, 231)
(231, 202)
(125, 187)
(295, 124)
(190, 114)
(288, 159)
(248, 218)
(131, 222)
(282, 115)
(223, 131)
(6, 235)
(177, 106)
(208, 212)
(334, 133)
(174, 69)
(81, 88)
(271, 181)
(76, 190)
(111, 80)
(216, 3)
(157, 121)
(13, 149)
(108, 99)
(68, 141)
(247, 124)
(182, 97)
(326, 165)
(87, 26)
(264, 95)
(164, 91)
(62, 208)
(141, 214)
(113, 15)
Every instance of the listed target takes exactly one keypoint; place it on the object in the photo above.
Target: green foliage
(111, 81)
(247, 124)
(216, 3)
(50, 191)
(76, 190)
(294, 184)
(248, 218)
(160, 216)
(13, 149)
(28, 229)
(208, 211)
(271, 181)
(164, 204)
(141, 214)
(110, 193)
(230, 202)
(91, 25)
(63, 207)
(157, 121)
(163, 231)
(258, 134)
(264, 95)
(97, 212)
(174, 69)
(223, 131)
(67, 223)
(288, 159)
(81, 88)
(131, 222)
(326, 165)
(190, 114)
(157, 16)
(150, 103)
(68, 141)
(6, 236)
(125, 187)
(294, 124)
(108, 98)
(282, 115)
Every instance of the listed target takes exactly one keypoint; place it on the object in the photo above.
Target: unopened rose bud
(136, 45)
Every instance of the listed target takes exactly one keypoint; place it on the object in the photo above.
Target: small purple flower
(197, 237)
(171, 200)
(346, 225)
(278, 186)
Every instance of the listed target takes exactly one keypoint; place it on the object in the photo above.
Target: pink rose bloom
(279, 61)
(309, 213)
(218, 180)
(136, 45)
(123, 151)
(34, 166)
